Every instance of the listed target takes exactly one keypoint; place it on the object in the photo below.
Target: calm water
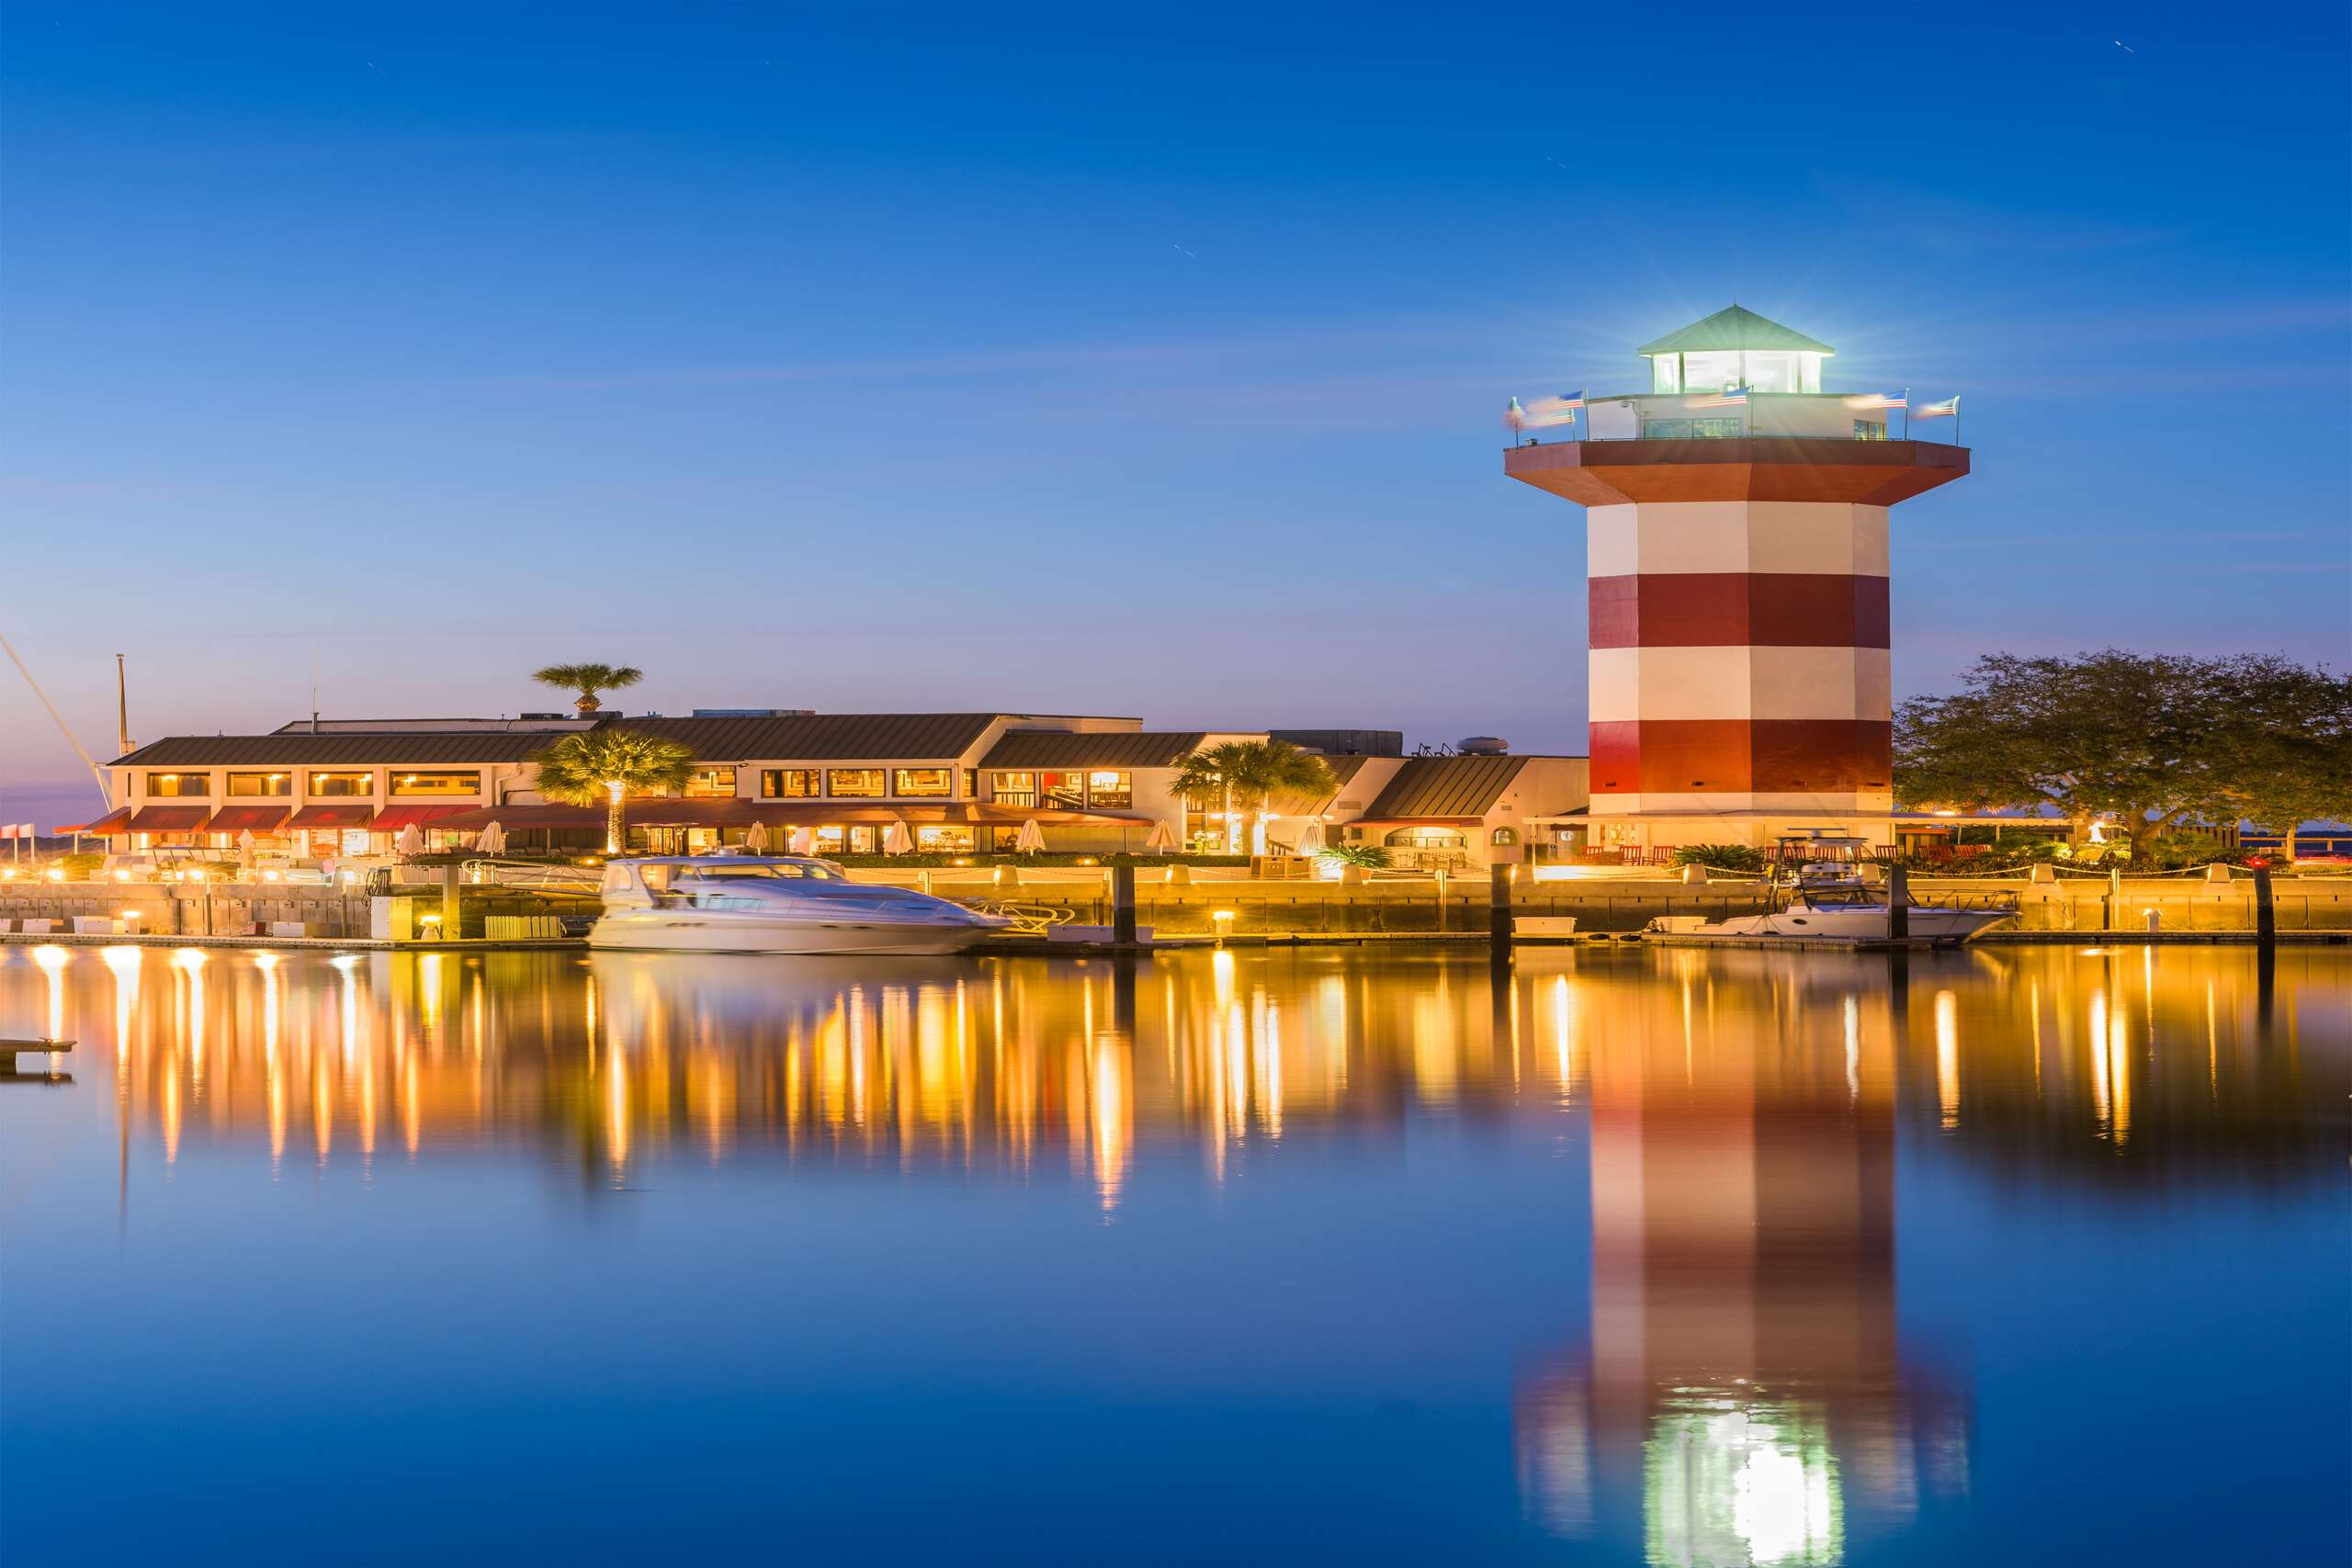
(2036, 1257)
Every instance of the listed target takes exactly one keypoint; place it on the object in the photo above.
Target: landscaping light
(57, 874)
(122, 876)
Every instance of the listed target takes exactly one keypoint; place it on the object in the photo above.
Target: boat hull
(1927, 923)
(659, 931)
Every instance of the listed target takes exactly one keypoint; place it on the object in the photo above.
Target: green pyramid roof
(1737, 327)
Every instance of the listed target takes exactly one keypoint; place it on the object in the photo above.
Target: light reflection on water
(1740, 1391)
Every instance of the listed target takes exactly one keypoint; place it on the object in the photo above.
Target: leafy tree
(1252, 772)
(2293, 747)
(588, 680)
(609, 765)
(2155, 739)
(1371, 857)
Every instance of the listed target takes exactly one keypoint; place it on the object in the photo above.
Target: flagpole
(1907, 413)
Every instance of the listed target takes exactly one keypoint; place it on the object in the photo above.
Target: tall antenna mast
(121, 710)
(315, 688)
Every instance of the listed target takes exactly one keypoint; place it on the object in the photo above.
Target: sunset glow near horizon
(904, 360)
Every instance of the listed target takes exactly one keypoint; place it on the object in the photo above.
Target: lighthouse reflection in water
(1607, 1256)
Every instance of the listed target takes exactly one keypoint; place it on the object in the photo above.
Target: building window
(1665, 373)
(1666, 429)
(440, 783)
(1426, 839)
(854, 783)
(343, 785)
(1869, 430)
(944, 840)
(971, 783)
(161, 785)
(1064, 792)
(922, 783)
(1503, 837)
(1016, 789)
(711, 783)
(787, 784)
(249, 784)
(1110, 790)
(1715, 429)
(853, 840)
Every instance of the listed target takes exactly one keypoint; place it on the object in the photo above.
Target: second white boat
(772, 904)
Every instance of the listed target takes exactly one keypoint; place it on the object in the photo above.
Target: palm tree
(588, 680)
(1254, 772)
(609, 765)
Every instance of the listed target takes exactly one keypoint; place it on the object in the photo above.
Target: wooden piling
(1898, 904)
(1123, 905)
(1499, 909)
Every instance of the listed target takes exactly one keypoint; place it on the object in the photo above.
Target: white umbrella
(410, 843)
(804, 840)
(245, 846)
(1310, 838)
(896, 840)
(756, 840)
(1161, 840)
(1030, 839)
(491, 840)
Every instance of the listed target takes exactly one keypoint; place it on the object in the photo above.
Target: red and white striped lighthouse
(1736, 561)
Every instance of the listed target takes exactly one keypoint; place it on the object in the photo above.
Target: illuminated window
(1666, 429)
(1665, 373)
(1015, 789)
(164, 784)
(711, 783)
(1426, 839)
(854, 783)
(923, 781)
(1869, 430)
(1110, 790)
(787, 784)
(261, 783)
(1504, 836)
(1715, 371)
(1715, 429)
(1064, 792)
(938, 840)
(324, 785)
(436, 783)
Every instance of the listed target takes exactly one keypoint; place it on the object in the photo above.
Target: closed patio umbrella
(245, 847)
(1031, 840)
(756, 840)
(896, 840)
(410, 843)
(491, 840)
(1161, 840)
(1310, 838)
(804, 840)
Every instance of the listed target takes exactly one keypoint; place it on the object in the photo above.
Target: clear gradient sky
(1107, 360)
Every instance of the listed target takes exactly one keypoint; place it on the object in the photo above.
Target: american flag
(1723, 399)
(1949, 407)
(1546, 411)
(1881, 401)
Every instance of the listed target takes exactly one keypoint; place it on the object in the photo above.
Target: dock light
(57, 874)
(122, 876)
(1224, 920)
(1088, 860)
(7, 873)
(131, 916)
(269, 877)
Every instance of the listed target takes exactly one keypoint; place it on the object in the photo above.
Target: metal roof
(1446, 786)
(1093, 749)
(1297, 803)
(823, 737)
(331, 751)
(1737, 327)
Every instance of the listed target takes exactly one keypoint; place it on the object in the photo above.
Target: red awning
(248, 819)
(169, 818)
(393, 819)
(332, 817)
(117, 821)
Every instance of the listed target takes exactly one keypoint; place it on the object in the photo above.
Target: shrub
(82, 867)
(1371, 857)
(1721, 857)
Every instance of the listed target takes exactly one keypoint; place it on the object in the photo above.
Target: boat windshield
(789, 870)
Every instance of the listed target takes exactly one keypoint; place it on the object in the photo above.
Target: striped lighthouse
(1736, 564)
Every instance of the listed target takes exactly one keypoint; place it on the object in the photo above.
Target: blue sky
(907, 358)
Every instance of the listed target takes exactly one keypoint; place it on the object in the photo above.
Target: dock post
(451, 926)
(1123, 905)
(2114, 897)
(1441, 897)
(2266, 913)
(1499, 909)
(1898, 904)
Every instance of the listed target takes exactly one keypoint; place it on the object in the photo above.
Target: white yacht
(1822, 895)
(772, 904)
